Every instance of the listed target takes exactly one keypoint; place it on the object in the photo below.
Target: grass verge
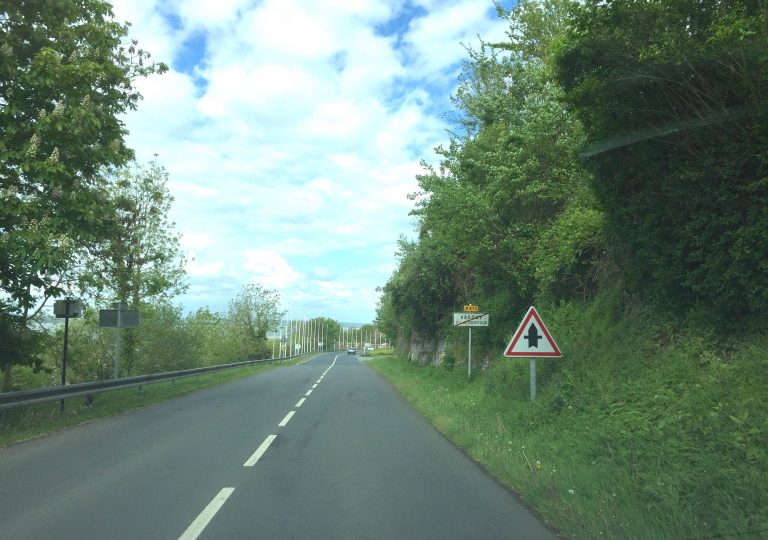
(378, 352)
(640, 431)
(36, 420)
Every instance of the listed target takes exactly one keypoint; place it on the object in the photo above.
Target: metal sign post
(120, 307)
(66, 309)
(469, 355)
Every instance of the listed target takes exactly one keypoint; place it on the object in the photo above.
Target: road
(325, 449)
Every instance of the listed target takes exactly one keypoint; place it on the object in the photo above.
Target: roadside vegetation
(607, 164)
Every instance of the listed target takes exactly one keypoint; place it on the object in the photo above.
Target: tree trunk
(7, 377)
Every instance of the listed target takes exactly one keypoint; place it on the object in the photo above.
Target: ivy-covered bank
(644, 429)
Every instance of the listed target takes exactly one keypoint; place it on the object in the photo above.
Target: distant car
(369, 348)
(351, 351)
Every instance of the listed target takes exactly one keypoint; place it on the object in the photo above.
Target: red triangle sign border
(532, 313)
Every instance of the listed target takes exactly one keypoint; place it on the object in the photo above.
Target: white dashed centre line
(314, 386)
(259, 451)
(302, 400)
(286, 419)
(319, 380)
(205, 517)
(308, 392)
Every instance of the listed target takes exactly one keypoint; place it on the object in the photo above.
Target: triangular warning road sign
(532, 338)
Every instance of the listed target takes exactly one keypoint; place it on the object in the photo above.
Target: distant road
(322, 450)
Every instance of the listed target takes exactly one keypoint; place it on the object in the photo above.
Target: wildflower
(54, 157)
(115, 145)
(571, 492)
(538, 465)
(34, 145)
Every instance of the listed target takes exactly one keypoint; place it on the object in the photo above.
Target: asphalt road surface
(322, 450)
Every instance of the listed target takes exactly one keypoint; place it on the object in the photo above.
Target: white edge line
(300, 402)
(259, 451)
(205, 517)
(308, 392)
(286, 419)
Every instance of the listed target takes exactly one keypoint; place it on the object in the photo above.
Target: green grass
(640, 431)
(379, 352)
(36, 420)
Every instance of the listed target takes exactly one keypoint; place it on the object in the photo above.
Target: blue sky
(292, 133)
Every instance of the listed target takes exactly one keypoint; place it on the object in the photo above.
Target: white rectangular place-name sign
(471, 319)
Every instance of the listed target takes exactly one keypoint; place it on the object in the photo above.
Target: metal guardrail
(11, 400)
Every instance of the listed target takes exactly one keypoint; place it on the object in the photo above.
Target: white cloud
(196, 269)
(270, 269)
(195, 241)
(293, 144)
(436, 40)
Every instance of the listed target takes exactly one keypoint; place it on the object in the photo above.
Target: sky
(292, 133)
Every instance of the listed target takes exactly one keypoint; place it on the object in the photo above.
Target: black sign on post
(69, 307)
(66, 309)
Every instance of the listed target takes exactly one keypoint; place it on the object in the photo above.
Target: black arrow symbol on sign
(533, 336)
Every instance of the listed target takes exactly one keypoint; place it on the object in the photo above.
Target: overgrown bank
(642, 430)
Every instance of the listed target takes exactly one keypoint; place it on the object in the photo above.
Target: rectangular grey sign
(60, 308)
(129, 318)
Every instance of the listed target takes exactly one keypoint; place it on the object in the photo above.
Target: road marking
(319, 380)
(314, 386)
(308, 392)
(302, 400)
(205, 517)
(286, 419)
(259, 451)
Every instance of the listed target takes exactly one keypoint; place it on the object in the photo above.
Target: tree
(66, 77)
(508, 216)
(141, 261)
(254, 312)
